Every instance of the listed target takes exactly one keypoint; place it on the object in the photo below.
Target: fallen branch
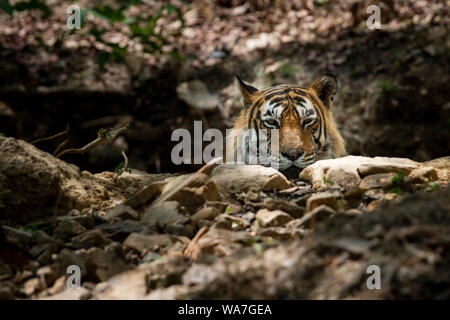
(52, 137)
(60, 146)
(104, 136)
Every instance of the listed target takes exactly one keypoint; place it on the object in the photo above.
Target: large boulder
(347, 172)
(241, 177)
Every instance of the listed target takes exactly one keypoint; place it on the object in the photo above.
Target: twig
(52, 137)
(102, 139)
(60, 146)
(125, 166)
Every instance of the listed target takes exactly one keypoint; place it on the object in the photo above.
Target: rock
(70, 294)
(68, 228)
(215, 241)
(275, 232)
(384, 199)
(30, 179)
(226, 221)
(386, 165)
(41, 237)
(313, 217)
(144, 243)
(199, 190)
(378, 180)
(207, 213)
(423, 175)
(196, 94)
(352, 245)
(167, 212)
(22, 237)
(239, 177)
(288, 207)
(374, 181)
(32, 286)
(439, 163)
(179, 229)
(198, 274)
(5, 271)
(67, 258)
(92, 238)
(145, 195)
(7, 291)
(104, 264)
(275, 218)
(322, 198)
(59, 285)
(219, 205)
(122, 212)
(119, 230)
(347, 171)
(128, 285)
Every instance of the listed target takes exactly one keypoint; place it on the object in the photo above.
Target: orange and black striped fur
(307, 130)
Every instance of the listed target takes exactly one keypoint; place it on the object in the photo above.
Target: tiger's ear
(248, 92)
(325, 87)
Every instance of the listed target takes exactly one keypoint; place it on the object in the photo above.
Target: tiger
(307, 130)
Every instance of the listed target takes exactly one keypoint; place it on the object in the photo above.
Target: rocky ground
(232, 231)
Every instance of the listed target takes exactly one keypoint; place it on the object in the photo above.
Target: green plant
(433, 185)
(387, 86)
(398, 183)
(104, 133)
(120, 167)
(325, 180)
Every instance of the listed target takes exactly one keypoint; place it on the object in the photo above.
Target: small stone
(313, 217)
(179, 229)
(423, 175)
(145, 195)
(352, 245)
(275, 218)
(92, 238)
(67, 258)
(58, 286)
(288, 207)
(165, 213)
(229, 222)
(379, 180)
(103, 264)
(205, 214)
(67, 229)
(32, 286)
(145, 243)
(219, 205)
(194, 197)
(275, 232)
(7, 291)
(122, 212)
(323, 198)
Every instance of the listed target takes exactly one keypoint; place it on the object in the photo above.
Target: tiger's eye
(272, 123)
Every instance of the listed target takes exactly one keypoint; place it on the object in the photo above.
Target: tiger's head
(306, 128)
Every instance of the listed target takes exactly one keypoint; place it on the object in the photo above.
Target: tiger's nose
(292, 154)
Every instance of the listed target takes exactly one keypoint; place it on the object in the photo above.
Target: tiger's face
(303, 118)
